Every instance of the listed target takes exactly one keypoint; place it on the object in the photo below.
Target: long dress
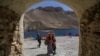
(49, 49)
(49, 45)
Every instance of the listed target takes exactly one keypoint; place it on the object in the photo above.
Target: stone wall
(90, 32)
(10, 44)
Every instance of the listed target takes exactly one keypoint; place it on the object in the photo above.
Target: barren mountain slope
(50, 18)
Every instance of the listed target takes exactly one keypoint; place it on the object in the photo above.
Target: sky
(50, 3)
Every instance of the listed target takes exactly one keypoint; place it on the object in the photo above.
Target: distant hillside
(50, 18)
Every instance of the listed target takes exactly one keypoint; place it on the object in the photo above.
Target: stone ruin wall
(10, 44)
(90, 32)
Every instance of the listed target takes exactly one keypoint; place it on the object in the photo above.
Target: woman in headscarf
(51, 47)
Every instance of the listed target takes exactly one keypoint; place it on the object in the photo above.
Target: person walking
(50, 42)
(39, 39)
(53, 43)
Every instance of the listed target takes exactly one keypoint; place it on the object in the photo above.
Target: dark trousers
(54, 47)
(39, 41)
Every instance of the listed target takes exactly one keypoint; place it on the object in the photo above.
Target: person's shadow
(32, 48)
(43, 55)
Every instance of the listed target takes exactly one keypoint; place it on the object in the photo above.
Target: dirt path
(65, 47)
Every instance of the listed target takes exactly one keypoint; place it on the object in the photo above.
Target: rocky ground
(66, 46)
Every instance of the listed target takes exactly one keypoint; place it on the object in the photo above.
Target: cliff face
(50, 18)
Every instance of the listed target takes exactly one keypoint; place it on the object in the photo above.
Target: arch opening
(52, 25)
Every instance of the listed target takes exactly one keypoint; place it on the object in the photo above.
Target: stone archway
(88, 12)
(90, 31)
(10, 42)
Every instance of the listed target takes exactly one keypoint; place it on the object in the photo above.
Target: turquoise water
(73, 32)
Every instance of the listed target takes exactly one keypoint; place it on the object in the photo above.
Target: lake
(66, 32)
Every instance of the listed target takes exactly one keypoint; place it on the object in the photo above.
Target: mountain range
(50, 18)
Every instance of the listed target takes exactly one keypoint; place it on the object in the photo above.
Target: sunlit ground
(66, 46)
